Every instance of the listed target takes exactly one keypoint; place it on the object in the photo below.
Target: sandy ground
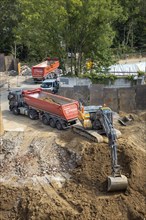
(59, 175)
(50, 174)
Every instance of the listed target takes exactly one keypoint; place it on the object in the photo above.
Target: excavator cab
(86, 115)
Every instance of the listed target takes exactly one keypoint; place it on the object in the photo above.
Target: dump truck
(53, 110)
(41, 70)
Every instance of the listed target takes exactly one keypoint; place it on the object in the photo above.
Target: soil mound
(61, 175)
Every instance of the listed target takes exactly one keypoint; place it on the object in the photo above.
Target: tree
(60, 26)
(9, 20)
(131, 29)
(89, 29)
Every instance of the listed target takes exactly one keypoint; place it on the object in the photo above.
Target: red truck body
(41, 70)
(59, 106)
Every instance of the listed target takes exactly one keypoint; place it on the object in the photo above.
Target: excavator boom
(116, 181)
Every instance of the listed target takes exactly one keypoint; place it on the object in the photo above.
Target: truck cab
(50, 85)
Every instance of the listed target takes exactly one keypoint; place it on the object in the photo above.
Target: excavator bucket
(118, 183)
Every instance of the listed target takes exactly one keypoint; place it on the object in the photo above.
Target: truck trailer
(53, 110)
(41, 70)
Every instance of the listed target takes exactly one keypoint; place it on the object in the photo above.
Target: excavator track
(89, 134)
(92, 134)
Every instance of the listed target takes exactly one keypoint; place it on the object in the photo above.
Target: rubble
(25, 70)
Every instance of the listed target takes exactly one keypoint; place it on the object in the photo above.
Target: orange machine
(41, 70)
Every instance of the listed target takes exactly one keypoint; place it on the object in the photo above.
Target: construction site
(72, 110)
(49, 173)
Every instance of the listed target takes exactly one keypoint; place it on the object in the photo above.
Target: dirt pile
(25, 70)
(61, 175)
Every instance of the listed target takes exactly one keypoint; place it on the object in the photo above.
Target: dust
(61, 175)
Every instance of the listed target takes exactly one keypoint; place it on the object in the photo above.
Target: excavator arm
(116, 181)
(106, 121)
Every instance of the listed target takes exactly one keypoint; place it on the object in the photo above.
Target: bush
(130, 77)
(100, 78)
(140, 73)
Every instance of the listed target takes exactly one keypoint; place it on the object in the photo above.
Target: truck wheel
(33, 114)
(16, 111)
(52, 122)
(45, 120)
(10, 107)
(35, 81)
(58, 125)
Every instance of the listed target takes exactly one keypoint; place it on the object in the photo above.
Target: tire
(10, 107)
(52, 122)
(33, 115)
(58, 125)
(35, 81)
(16, 111)
(45, 120)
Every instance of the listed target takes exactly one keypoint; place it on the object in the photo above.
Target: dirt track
(49, 174)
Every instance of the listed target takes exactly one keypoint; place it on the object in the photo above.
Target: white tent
(127, 69)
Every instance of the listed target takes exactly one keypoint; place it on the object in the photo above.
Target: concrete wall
(121, 82)
(140, 97)
(118, 99)
(74, 81)
(126, 99)
(111, 98)
(117, 83)
(96, 94)
(80, 93)
(8, 63)
(2, 62)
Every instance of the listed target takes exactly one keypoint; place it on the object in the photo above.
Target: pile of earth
(61, 175)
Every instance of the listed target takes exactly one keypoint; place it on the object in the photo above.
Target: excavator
(94, 122)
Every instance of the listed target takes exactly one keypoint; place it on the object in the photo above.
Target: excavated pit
(49, 174)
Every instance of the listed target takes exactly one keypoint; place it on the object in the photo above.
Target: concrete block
(66, 92)
(140, 97)
(9, 62)
(126, 97)
(2, 62)
(111, 98)
(96, 94)
(81, 93)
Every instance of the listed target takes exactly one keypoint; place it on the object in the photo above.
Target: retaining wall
(8, 63)
(118, 99)
(140, 97)
(2, 63)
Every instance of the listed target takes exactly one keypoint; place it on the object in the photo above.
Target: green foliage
(101, 78)
(130, 77)
(141, 73)
(130, 30)
(83, 27)
(8, 20)
(90, 28)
